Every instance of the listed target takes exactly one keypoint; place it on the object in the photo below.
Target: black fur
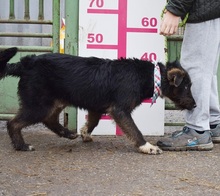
(50, 82)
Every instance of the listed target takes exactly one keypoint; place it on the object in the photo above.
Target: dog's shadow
(48, 141)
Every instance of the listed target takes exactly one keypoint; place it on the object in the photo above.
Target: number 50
(95, 38)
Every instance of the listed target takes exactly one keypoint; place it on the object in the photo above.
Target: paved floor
(108, 166)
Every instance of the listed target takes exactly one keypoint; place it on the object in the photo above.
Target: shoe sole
(201, 147)
(216, 139)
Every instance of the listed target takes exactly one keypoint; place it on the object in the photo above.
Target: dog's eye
(186, 87)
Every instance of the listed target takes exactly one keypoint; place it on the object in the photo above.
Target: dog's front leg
(92, 122)
(126, 123)
(150, 149)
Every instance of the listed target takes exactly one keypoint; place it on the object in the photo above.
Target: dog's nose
(194, 105)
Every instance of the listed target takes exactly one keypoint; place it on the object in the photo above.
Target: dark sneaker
(215, 134)
(187, 139)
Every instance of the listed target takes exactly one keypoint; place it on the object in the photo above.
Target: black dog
(50, 82)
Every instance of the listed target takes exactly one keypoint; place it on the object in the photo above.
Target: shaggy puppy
(50, 82)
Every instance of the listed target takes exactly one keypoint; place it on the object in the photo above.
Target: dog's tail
(8, 68)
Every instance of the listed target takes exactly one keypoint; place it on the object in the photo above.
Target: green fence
(8, 86)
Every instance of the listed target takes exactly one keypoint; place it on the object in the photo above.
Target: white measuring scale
(123, 28)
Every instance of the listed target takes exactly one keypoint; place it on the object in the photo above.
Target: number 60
(152, 22)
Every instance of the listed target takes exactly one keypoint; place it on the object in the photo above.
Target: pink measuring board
(123, 28)
(149, 26)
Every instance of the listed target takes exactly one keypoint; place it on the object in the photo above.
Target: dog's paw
(72, 136)
(68, 134)
(150, 149)
(24, 147)
(84, 134)
(87, 138)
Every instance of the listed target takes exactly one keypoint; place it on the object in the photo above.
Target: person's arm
(179, 7)
(175, 9)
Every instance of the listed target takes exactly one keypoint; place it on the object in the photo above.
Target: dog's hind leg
(14, 128)
(52, 122)
(26, 116)
(126, 123)
(92, 122)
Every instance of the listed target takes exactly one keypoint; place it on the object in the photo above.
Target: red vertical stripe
(122, 28)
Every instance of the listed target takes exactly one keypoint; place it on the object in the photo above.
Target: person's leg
(214, 100)
(198, 57)
(214, 96)
(214, 103)
(199, 54)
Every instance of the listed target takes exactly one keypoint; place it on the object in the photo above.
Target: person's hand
(169, 24)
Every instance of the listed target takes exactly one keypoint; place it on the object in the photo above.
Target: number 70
(98, 3)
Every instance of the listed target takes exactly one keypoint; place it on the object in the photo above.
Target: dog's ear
(7, 54)
(175, 76)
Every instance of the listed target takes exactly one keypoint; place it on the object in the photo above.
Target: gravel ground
(108, 166)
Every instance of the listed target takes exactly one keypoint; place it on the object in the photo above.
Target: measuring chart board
(123, 28)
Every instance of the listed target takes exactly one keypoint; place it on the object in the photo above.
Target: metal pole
(72, 26)
(56, 25)
(71, 47)
(12, 8)
(41, 10)
(26, 10)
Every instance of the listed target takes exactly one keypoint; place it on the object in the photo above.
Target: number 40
(149, 56)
